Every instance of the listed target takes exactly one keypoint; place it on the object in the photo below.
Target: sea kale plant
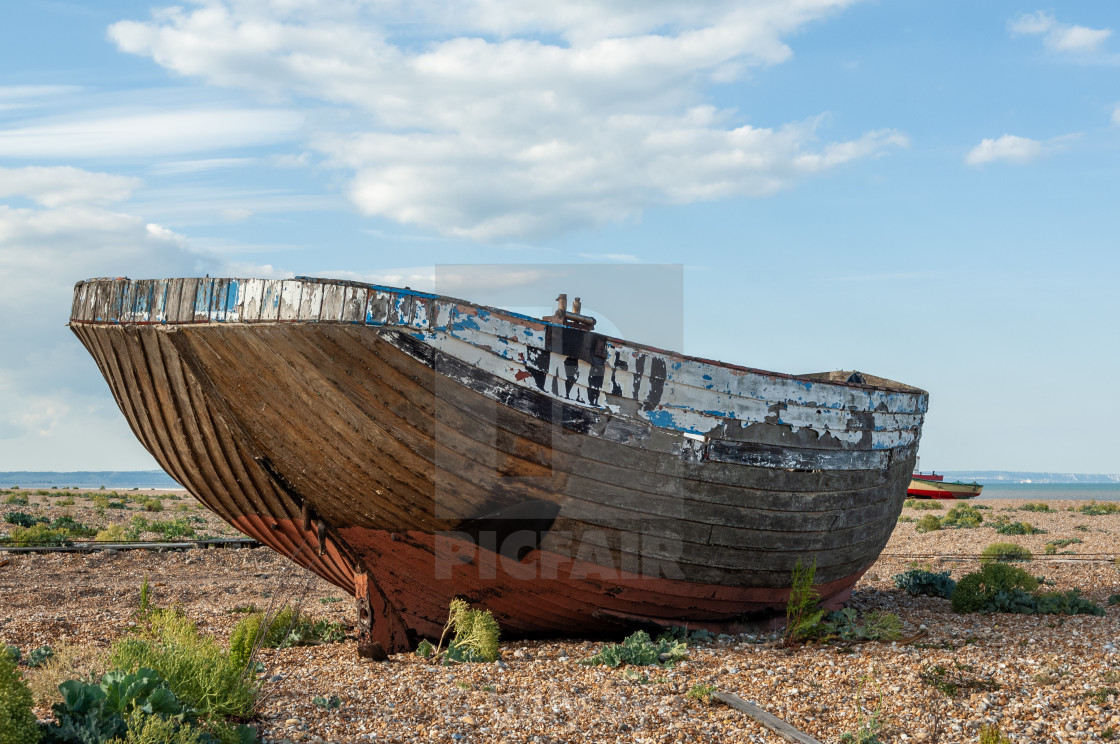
(1000, 587)
(639, 649)
(916, 581)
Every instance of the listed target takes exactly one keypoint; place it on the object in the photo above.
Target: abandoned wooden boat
(411, 448)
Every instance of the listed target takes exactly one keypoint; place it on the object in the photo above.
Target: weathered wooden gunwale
(354, 427)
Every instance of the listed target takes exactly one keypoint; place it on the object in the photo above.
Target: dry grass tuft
(70, 661)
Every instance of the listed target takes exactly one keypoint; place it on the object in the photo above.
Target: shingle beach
(1040, 678)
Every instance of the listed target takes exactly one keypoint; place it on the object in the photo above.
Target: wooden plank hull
(412, 448)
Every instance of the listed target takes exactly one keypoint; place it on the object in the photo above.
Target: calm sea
(1042, 491)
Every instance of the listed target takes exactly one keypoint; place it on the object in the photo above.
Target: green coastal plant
(638, 649)
(1094, 509)
(806, 620)
(1052, 546)
(1000, 587)
(36, 535)
(39, 656)
(1039, 506)
(702, 692)
(74, 528)
(331, 703)
(112, 533)
(197, 670)
(1005, 552)
(17, 723)
(977, 591)
(803, 613)
(916, 581)
(22, 519)
(142, 728)
(926, 504)
(963, 516)
(286, 627)
(475, 634)
(875, 625)
(1004, 526)
(928, 523)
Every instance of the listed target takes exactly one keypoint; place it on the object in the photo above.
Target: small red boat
(933, 486)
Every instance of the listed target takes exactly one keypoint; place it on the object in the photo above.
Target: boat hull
(408, 468)
(931, 489)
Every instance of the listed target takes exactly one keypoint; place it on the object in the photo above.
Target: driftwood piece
(770, 721)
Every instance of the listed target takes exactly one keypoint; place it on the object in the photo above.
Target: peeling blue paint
(467, 322)
(665, 420)
(233, 292)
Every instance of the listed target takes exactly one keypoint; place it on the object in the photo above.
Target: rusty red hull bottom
(415, 575)
(923, 493)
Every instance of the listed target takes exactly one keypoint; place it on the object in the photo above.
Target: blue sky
(926, 191)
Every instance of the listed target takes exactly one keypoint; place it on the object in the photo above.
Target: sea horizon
(1052, 491)
(1005, 486)
(91, 479)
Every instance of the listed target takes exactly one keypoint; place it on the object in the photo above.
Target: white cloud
(201, 165)
(53, 403)
(1116, 115)
(14, 97)
(53, 187)
(614, 257)
(493, 120)
(135, 134)
(1038, 22)
(1060, 37)
(1008, 147)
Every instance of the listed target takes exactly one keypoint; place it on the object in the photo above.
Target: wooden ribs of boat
(412, 448)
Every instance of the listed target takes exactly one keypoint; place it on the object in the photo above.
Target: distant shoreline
(1011, 477)
(158, 479)
(147, 479)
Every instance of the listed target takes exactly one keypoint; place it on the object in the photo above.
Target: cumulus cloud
(52, 400)
(1060, 37)
(1008, 148)
(496, 120)
(1116, 114)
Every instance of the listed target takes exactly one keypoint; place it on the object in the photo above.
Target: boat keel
(381, 631)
